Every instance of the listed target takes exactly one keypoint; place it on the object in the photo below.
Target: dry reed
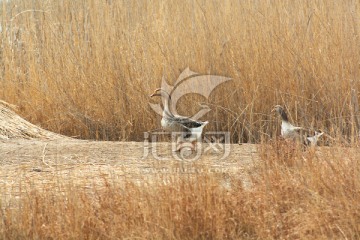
(85, 68)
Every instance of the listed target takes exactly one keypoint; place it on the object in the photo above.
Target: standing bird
(288, 131)
(190, 129)
(298, 134)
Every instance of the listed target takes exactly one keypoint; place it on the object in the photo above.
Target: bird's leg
(194, 144)
(178, 146)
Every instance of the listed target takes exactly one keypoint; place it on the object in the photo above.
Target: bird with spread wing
(189, 129)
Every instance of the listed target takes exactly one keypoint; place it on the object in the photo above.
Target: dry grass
(85, 68)
(316, 196)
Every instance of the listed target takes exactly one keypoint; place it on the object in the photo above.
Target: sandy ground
(28, 164)
(33, 164)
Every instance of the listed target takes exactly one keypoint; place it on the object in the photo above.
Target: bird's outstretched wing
(188, 122)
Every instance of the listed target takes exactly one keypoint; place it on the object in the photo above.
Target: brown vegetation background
(86, 68)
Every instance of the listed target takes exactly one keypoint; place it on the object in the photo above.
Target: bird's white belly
(287, 129)
(196, 132)
(165, 124)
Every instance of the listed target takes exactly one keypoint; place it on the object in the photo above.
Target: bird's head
(278, 109)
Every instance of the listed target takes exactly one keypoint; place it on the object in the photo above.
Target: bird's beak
(273, 110)
(154, 94)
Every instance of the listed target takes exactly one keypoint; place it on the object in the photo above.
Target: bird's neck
(286, 125)
(283, 115)
(166, 101)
